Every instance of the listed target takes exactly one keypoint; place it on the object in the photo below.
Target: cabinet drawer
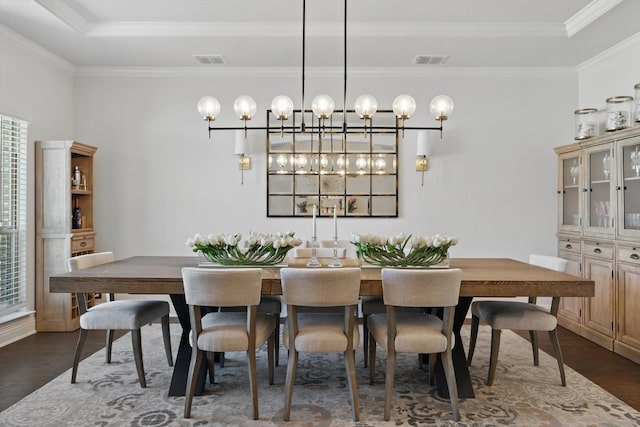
(82, 244)
(629, 254)
(569, 245)
(598, 250)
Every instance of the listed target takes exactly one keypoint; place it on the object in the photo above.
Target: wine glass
(635, 161)
(606, 165)
(574, 171)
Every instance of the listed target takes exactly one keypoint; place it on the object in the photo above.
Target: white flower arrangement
(261, 248)
(395, 252)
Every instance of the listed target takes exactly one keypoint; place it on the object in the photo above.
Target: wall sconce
(423, 152)
(244, 162)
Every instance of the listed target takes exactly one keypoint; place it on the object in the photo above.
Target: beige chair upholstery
(414, 332)
(113, 315)
(321, 332)
(226, 331)
(519, 316)
(349, 248)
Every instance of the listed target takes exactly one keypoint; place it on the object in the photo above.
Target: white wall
(36, 87)
(160, 179)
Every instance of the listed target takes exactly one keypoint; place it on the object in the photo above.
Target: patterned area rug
(522, 394)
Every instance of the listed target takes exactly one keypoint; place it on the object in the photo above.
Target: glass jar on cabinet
(618, 112)
(637, 89)
(586, 123)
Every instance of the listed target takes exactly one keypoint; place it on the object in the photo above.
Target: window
(13, 214)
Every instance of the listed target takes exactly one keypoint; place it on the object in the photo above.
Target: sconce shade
(241, 143)
(282, 107)
(423, 146)
(404, 106)
(245, 107)
(323, 106)
(366, 106)
(209, 107)
(441, 107)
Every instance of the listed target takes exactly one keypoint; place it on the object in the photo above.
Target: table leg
(463, 378)
(183, 359)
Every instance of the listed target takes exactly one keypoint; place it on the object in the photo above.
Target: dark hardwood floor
(32, 362)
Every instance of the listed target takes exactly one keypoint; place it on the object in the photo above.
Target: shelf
(601, 181)
(573, 186)
(81, 192)
(632, 178)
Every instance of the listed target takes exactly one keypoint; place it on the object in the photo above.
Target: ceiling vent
(210, 59)
(430, 59)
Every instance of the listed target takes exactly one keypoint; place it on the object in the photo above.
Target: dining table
(481, 277)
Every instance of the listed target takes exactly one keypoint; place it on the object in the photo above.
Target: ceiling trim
(322, 29)
(588, 15)
(310, 72)
(604, 55)
(35, 49)
(67, 14)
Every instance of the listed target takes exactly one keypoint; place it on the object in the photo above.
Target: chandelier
(323, 106)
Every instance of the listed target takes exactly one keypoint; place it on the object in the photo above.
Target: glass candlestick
(335, 261)
(313, 261)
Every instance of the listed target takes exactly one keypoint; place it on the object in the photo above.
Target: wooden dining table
(481, 277)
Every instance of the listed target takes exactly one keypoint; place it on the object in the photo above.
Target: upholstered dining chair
(227, 331)
(321, 332)
(519, 315)
(416, 332)
(113, 315)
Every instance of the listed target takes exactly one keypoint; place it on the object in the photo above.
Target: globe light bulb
(404, 106)
(282, 107)
(361, 163)
(209, 107)
(323, 106)
(380, 164)
(441, 107)
(245, 107)
(366, 106)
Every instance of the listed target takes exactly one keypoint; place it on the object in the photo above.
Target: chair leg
(288, 386)
(211, 363)
(450, 374)
(534, 347)
(109, 344)
(475, 321)
(136, 341)
(166, 336)
(221, 356)
(194, 367)
(253, 381)
(372, 359)
(553, 336)
(76, 359)
(350, 364)
(365, 338)
(271, 353)
(388, 383)
(277, 341)
(493, 359)
(432, 368)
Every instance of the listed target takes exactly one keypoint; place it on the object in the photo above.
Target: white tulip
(191, 242)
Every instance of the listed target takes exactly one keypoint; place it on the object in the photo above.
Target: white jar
(618, 112)
(637, 89)
(586, 123)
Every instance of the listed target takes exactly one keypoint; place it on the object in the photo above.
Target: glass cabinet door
(629, 187)
(599, 191)
(569, 186)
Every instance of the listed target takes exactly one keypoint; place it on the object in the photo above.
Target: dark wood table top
(481, 277)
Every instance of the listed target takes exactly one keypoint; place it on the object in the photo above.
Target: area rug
(522, 394)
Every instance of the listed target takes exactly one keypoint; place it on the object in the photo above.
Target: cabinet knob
(597, 250)
(568, 246)
(618, 188)
(634, 257)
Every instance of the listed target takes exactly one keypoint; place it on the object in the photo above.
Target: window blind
(13, 214)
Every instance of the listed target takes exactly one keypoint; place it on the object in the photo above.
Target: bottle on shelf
(76, 215)
(76, 178)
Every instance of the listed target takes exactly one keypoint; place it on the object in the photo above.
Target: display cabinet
(64, 225)
(355, 171)
(604, 242)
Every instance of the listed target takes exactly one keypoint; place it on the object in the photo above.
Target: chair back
(350, 249)
(90, 260)
(320, 287)
(421, 287)
(222, 287)
(550, 262)
(320, 252)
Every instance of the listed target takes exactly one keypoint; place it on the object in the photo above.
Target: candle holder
(335, 261)
(313, 261)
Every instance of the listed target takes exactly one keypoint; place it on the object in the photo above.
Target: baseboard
(17, 329)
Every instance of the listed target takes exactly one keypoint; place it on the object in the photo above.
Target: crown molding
(604, 55)
(337, 72)
(35, 49)
(67, 14)
(588, 14)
